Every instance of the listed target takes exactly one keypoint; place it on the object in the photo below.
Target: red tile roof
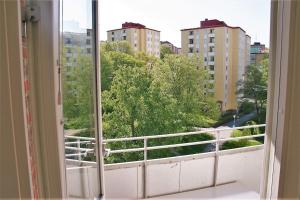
(128, 25)
(213, 23)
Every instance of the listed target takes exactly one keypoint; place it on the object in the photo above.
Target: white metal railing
(217, 141)
(87, 140)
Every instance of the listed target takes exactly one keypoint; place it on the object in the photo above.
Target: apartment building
(77, 43)
(226, 53)
(173, 48)
(141, 38)
(258, 52)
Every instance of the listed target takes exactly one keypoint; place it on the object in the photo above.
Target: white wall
(166, 177)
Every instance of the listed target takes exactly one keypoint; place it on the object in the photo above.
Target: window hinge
(30, 13)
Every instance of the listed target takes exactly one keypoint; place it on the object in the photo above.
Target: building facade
(171, 46)
(77, 43)
(226, 53)
(141, 38)
(258, 52)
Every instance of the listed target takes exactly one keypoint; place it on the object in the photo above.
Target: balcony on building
(216, 173)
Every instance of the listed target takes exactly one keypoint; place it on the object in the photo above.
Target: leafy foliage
(78, 93)
(254, 87)
(141, 95)
(164, 50)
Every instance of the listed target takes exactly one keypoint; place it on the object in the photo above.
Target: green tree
(165, 50)
(185, 79)
(119, 46)
(78, 79)
(254, 87)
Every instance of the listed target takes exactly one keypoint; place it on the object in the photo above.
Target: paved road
(241, 120)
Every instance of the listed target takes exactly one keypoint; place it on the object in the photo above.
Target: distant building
(172, 47)
(258, 52)
(140, 37)
(226, 53)
(77, 43)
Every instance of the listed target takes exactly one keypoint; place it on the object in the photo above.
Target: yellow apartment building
(226, 54)
(141, 38)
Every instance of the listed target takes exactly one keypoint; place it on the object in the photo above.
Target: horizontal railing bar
(126, 150)
(181, 145)
(75, 154)
(81, 142)
(83, 167)
(167, 135)
(241, 137)
(124, 139)
(78, 137)
(162, 146)
(78, 149)
(182, 134)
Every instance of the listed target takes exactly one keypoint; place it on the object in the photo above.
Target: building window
(211, 39)
(124, 37)
(88, 41)
(211, 49)
(88, 33)
(124, 31)
(212, 67)
(205, 59)
(112, 33)
(112, 39)
(211, 30)
(191, 50)
(191, 32)
(212, 58)
(68, 40)
(88, 50)
(212, 77)
(191, 41)
(69, 50)
(197, 50)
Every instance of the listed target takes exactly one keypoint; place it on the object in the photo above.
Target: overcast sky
(170, 16)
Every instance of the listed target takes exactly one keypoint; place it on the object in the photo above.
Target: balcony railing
(148, 174)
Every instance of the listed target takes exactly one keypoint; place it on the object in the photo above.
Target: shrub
(242, 142)
(239, 143)
(246, 107)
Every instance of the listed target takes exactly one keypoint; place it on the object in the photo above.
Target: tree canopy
(254, 86)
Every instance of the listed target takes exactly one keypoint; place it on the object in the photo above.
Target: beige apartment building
(226, 54)
(141, 38)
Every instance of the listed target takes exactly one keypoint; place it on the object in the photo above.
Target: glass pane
(78, 79)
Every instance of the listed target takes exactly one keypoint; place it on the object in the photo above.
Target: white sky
(170, 16)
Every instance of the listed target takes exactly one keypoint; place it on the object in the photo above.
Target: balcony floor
(228, 191)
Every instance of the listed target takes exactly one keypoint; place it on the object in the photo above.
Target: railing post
(78, 151)
(145, 167)
(216, 158)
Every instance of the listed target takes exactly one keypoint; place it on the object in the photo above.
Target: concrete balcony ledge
(234, 190)
(200, 175)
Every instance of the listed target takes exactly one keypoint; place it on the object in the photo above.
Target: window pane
(78, 80)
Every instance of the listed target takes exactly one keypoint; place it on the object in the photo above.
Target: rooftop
(128, 25)
(212, 23)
